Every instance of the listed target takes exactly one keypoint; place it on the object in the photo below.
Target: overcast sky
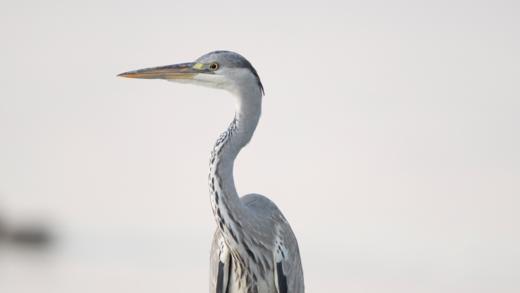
(389, 138)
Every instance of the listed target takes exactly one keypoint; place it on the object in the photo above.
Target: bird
(254, 249)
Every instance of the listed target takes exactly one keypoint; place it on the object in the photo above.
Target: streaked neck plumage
(227, 207)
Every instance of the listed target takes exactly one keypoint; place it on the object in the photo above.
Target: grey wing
(220, 265)
(288, 267)
(288, 272)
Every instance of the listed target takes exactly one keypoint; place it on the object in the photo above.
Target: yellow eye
(214, 66)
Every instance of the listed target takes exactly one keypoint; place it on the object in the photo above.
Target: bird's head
(219, 69)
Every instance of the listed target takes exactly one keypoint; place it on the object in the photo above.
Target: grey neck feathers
(227, 207)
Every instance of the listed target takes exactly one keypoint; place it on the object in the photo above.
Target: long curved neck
(225, 202)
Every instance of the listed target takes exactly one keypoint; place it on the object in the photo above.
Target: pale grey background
(389, 138)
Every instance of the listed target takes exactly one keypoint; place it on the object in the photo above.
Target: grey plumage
(254, 249)
(264, 248)
(231, 60)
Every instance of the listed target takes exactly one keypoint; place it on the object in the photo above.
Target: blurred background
(389, 137)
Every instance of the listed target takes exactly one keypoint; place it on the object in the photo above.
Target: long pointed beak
(177, 71)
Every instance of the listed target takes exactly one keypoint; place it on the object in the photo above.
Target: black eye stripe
(231, 60)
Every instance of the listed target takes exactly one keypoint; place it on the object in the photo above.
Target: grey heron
(254, 249)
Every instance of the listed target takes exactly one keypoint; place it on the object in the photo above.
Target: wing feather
(282, 278)
(220, 265)
(288, 272)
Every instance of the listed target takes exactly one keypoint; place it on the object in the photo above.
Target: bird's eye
(214, 66)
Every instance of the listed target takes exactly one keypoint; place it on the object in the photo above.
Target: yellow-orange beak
(177, 71)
